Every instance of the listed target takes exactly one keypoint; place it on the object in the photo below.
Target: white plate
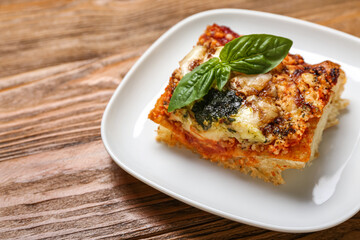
(318, 197)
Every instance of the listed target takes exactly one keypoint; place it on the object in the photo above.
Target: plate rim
(184, 199)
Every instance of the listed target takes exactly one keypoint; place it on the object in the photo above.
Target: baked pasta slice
(260, 124)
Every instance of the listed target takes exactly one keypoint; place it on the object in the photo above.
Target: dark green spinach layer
(216, 105)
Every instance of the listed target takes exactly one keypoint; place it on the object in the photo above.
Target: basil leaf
(222, 74)
(249, 54)
(255, 53)
(194, 85)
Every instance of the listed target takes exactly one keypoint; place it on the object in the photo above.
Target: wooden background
(60, 62)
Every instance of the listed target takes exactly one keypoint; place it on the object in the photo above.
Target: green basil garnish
(256, 53)
(249, 54)
(194, 85)
(222, 74)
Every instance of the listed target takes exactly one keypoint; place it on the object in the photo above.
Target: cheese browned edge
(262, 164)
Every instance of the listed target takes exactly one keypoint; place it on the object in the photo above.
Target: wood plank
(59, 106)
(68, 31)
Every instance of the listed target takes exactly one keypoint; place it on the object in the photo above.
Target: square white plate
(318, 197)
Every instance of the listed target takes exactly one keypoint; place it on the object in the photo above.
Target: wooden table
(60, 62)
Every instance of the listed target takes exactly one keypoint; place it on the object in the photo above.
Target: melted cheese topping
(250, 84)
(246, 124)
(194, 57)
(277, 104)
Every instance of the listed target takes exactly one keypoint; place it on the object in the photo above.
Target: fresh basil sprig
(194, 85)
(222, 74)
(249, 54)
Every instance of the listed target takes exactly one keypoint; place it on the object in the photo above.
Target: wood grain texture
(60, 62)
(80, 30)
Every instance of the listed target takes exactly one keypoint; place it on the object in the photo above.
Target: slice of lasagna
(260, 124)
